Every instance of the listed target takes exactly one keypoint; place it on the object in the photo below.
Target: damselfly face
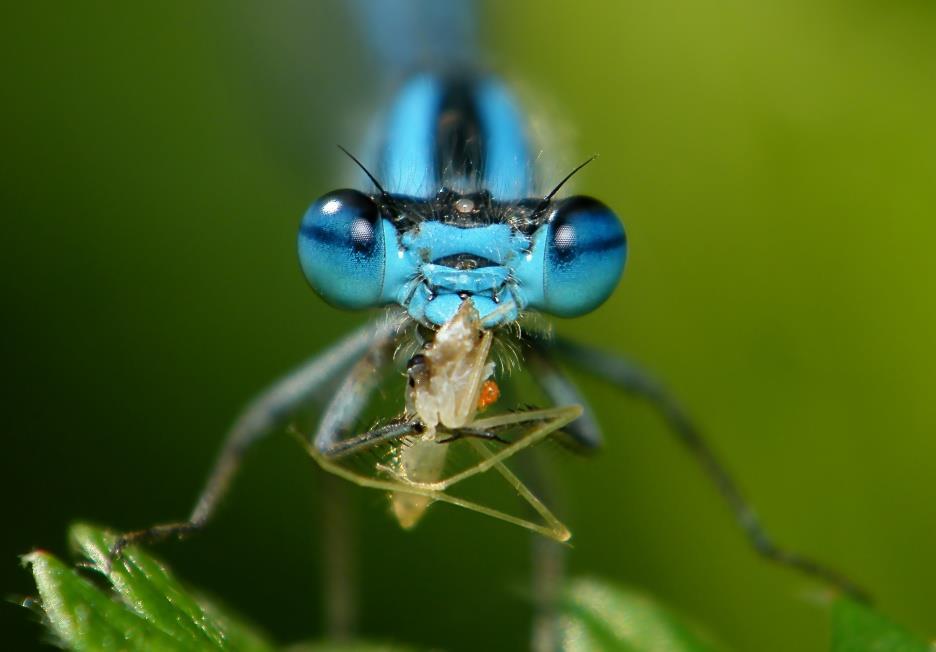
(563, 258)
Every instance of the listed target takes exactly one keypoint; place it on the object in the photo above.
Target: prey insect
(444, 389)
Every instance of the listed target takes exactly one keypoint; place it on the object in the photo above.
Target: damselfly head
(562, 257)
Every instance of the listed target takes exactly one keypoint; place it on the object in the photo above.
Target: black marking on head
(465, 261)
(518, 214)
(360, 239)
(460, 138)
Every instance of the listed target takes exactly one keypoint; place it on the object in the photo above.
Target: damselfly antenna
(384, 195)
(552, 193)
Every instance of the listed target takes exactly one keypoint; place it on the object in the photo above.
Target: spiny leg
(370, 439)
(349, 401)
(462, 433)
(631, 378)
(267, 411)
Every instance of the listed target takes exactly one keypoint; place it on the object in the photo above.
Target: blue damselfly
(447, 233)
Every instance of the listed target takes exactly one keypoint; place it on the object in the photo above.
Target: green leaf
(856, 628)
(596, 615)
(84, 618)
(353, 646)
(148, 589)
(148, 608)
(145, 609)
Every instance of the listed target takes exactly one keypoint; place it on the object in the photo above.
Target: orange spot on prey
(488, 395)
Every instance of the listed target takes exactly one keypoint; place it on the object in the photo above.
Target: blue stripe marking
(508, 171)
(408, 155)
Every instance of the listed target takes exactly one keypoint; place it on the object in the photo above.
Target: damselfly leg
(582, 435)
(271, 409)
(365, 351)
(632, 379)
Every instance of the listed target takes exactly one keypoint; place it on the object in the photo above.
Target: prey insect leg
(535, 424)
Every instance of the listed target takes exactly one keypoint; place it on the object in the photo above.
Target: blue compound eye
(341, 249)
(584, 256)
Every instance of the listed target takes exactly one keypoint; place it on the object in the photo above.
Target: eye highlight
(584, 256)
(341, 249)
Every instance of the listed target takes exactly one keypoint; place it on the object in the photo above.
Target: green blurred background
(773, 162)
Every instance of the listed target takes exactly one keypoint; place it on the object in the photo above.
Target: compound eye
(341, 249)
(585, 252)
